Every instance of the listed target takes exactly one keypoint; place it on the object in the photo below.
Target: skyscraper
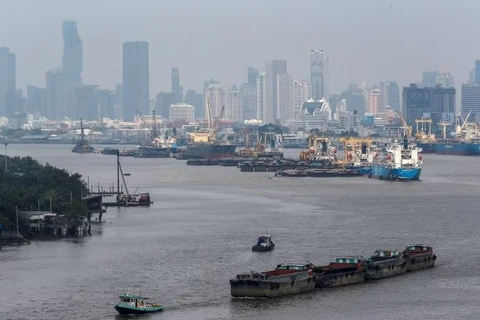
(477, 71)
(196, 100)
(250, 75)
(273, 69)
(319, 74)
(261, 97)
(430, 102)
(72, 52)
(7, 78)
(177, 90)
(216, 98)
(36, 100)
(135, 79)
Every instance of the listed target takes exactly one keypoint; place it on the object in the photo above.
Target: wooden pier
(13, 237)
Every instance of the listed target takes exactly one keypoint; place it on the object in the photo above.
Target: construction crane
(217, 123)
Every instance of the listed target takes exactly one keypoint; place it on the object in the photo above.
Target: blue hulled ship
(403, 162)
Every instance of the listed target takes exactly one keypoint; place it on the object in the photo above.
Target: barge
(344, 271)
(385, 264)
(419, 256)
(286, 279)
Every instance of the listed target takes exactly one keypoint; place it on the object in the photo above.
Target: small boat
(131, 304)
(419, 256)
(385, 264)
(264, 243)
(342, 272)
(286, 279)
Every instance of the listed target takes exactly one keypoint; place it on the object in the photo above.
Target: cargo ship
(403, 162)
(203, 142)
(458, 147)
(286, 279)
(344, 271)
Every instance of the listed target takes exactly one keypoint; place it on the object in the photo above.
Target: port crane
(152, 129)
(408, 129)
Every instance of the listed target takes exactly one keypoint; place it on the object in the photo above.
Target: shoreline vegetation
(30, 190)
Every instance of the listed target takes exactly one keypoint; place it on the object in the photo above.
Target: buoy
(420, 157)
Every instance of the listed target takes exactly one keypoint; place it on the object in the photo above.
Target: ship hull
(420, 261)
(385, 172)
(270, 289)
(385, 269)
(427, 147)
(210, 151)
(338, 279)
(460, 149)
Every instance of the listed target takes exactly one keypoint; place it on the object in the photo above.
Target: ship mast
(82, 132)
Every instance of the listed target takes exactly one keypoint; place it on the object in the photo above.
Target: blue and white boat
(403, 162)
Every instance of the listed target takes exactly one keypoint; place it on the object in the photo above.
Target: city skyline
(353, 55)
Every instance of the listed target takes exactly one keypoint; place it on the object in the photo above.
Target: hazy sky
(366, 39)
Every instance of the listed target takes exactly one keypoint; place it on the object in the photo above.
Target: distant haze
(366, 39)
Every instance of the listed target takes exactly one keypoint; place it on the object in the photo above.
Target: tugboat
(419, 256)
(131, 304)
(286, 279)
(403, 162)
(385, 264)
(342, 272)
(264, 244)
(82, 146)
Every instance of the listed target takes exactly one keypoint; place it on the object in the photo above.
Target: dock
(13, 237)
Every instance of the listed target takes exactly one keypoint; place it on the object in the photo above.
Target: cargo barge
(419, 256)
(286, 279)
(342, 272)
(385, 264)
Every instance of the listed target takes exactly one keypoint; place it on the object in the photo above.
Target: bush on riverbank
(28, 185)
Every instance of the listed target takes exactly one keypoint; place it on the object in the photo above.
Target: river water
(198, 234)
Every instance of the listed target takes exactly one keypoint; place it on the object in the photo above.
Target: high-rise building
(135, 79)
(429, 79)
(261, 97)
(84, 102)
(36, 100)
(354, 98)
(273, 69)
(248, 95)
(471, 99)
(15, 103)
(7, 78)
(196, 100)
(319, 74)
(477, 71)
(233, 107)
(106, 104)
(250, 75)
(431, 102)
(72, 52)
(215, 97)
(285, 97)
(206, 84)
(393, 95)
(163, 102)
(445, 79)
(119, 95)
(54, 82)
(182, 112)
(177, 90)
(302, 92)
(376, 101)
